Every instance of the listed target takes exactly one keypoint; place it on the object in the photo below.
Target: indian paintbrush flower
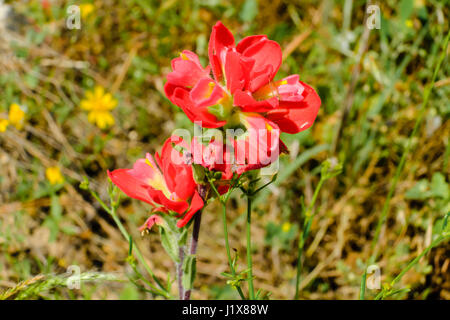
(242, 86)
(164, 181)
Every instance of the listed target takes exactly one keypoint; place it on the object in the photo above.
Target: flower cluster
(165, 181)
(241, 90)
(236, 92)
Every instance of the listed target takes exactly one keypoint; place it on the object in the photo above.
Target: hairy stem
(179, 267)
(194, 243)
(251, 290)
(202, 190)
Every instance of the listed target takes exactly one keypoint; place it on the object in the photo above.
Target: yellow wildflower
(3, 125)
(86, 9)
(409, 23)
(286, 227)
(99, 104)
(16, 116)
(54, 175)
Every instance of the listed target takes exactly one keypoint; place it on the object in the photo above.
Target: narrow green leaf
(189, 271)
(170, 243)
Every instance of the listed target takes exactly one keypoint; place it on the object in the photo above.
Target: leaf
(445, 222)
(249, 10)
(199, 173)
(439, 188)
(56, 209)
(129, 293)
(169, 241)
(189, 271)
(419, 191)
(130, 246)
(406, 9)
(169, 282)
(183, 237)
(393, 292)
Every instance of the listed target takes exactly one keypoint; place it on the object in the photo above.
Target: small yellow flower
(54, 175)
(99, 104)
(16, 116)
(62, 263)
(3, 125)
(86, 9)
(409, 23)
(286, 227)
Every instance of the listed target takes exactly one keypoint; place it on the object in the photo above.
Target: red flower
(254, 149)
(243, 83)
(45, 4)
(150, 222)
(165, 180)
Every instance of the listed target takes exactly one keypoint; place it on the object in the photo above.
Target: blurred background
(371, 83)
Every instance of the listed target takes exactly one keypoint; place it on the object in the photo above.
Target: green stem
(417, 259)
(304, 235)
(112, 212)
(251, 290)
(362, 288)
(194, 242)
(407, 150)
(227, 245)
(223, 202)
(433, 244)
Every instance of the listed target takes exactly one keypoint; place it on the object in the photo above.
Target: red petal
(221, 38)
(260, 79)
(130, 185)
(177, 173)
(302, 116)
(206, 93)
(247, 103)
(291, 92)
(196, 205)
(234, 72)
(265, 53)
(173, 205)
(248, 42)
(152, 220)
(181, 98)
(186, 73)
(260, 145)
